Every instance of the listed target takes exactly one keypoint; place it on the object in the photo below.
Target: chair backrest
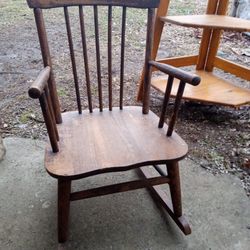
(49, 99)
(46, 4)
(45, 87)
(38, 5)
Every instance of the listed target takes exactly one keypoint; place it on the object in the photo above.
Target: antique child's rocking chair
(96, 141)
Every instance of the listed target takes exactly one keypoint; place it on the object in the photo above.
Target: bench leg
(64, 188)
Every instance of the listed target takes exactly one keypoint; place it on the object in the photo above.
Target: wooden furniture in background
(90, 142)
(212, 89)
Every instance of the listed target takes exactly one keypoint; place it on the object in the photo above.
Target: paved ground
(216, 206)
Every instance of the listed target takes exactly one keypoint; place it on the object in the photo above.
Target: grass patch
(61, 92)
(182, 7)
(24, 118)
(13, 11)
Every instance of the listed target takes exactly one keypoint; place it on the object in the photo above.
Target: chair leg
(175, 187)
(64, 188)
(174, 208)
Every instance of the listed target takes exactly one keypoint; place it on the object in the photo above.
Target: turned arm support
(176, 73)
(39, 90)
(184, 77)
(38, 86)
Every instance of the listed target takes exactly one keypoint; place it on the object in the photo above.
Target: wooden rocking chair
(92, 142)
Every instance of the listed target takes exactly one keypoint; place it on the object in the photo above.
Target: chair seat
(117, 140)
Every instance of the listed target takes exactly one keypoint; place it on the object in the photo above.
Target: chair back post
(176, 108)
(50, 123)
(98, 58)
(38, 5)
(166, 101)
(176, 104)
(148, 55)
(73, 60)
(47, 62)
(124, 13)
(85, 57)
(110, 56)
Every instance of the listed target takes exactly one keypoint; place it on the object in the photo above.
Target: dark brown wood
(49, 123)
(124, 11)
(118, 188)
(36, 90)
(64, 188)
(148, 54)
(161, 198)
(42, 35)
(129, 3)
(184, 77)
(177, 73)
(166, 100)
(101, 142)
(98, 59)
(51, 111)
(38, 86)
(111, 141)
(73, 61)
(176, 108)
(158, 27)
(175, 187)
(47, 61)
(85, 56)
(110, 56)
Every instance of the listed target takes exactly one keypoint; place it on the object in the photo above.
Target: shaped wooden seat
(111, 141)
(95, 141)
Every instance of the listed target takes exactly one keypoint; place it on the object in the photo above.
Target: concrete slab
(216, 207)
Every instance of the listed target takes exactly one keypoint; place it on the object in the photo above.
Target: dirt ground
(218, 137)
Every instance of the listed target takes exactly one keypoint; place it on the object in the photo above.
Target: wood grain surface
(212, 89)
(107, 141)
(210, 21)
(61, 3)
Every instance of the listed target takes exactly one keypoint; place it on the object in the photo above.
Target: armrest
(177, 73)
(37, 87)
(184, 78)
